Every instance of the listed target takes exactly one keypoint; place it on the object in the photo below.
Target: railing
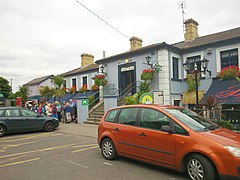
(129, 89)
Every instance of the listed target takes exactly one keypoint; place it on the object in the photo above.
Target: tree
(5, 88)
(23, 92)
(58, 81)
(46, 92)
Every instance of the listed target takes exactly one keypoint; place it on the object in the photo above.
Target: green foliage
(192, 83)
(58, 81)
(226, 124)
(23, 92)
(46, 92)
(5, 88)
(144, 86)
(90, 101)
(131, 100)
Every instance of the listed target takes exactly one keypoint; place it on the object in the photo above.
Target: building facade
(221, 49)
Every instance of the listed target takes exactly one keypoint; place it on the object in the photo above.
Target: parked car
(15, 119)
(171, 137)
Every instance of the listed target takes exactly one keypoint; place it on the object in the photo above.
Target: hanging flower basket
(147, 74)
(230, 72)
(100, 80)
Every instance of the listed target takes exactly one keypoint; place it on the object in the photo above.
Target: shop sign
(130, 68)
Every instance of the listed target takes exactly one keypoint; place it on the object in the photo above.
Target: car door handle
(116, 129)
(142, 134)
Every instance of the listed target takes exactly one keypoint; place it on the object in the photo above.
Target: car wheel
(2, 130)
(49, 126)
(200, 168)
(108, 149)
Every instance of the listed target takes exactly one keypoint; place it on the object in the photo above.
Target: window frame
(229, 57)
(175, 68)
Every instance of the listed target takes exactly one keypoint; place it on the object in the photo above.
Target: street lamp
(155, 66)
(204, 64)
(101, 68)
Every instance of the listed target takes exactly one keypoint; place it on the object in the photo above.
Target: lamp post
(155, 66)
(204, 64)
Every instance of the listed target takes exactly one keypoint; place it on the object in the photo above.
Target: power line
(102, 19)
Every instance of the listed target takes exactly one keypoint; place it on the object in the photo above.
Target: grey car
(16, 119)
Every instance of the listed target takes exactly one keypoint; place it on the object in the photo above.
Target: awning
(226, 91)
(190, 97)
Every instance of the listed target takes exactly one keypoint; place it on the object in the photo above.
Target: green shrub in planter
(226, 124)
(130, 100)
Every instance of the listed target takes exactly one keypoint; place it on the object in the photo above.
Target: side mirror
(166, 128)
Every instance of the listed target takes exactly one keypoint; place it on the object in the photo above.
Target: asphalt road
(60, 155)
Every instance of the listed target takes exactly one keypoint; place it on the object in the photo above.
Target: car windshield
(192, 119)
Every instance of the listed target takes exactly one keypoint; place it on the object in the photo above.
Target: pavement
(88, 130)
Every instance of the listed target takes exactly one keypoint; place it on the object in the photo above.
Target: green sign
(84, 102)
(1, 95)
(157, 67)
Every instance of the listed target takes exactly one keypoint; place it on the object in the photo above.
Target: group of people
(65, 112)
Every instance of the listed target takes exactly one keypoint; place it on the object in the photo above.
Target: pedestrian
(49, 109)
(63, 113)
(72, 104)
(54, 111)
(68, 112)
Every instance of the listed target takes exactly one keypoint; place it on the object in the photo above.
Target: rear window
(110, 117)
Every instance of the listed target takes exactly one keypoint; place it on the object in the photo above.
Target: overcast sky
(44, 37)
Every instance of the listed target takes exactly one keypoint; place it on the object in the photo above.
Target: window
(12, 113)
(176, 102)
(28, 113)
(74, 82)
(128, 116)
(65, 84)
(192, 60)
(84, 80)
(175, 66)
(110, 117)
(153, 119)
(229, 58)
(1, 112)
(179, 129)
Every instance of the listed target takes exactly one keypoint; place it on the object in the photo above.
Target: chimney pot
(135, 43)
(191, 29)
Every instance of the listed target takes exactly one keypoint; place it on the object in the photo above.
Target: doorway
(127, 79)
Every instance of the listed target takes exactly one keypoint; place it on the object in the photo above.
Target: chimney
(135, 43)
(87, 59)
(191, 29)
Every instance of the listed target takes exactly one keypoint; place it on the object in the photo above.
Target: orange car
(172, 137)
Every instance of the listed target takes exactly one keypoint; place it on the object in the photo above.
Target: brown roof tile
(81, 70)
(37, 80)
(212, 38)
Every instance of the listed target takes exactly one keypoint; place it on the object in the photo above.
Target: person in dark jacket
(68, 112)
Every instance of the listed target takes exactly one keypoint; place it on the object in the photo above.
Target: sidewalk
(80, 129)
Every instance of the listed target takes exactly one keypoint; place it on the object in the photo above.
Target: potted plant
(100, 80)
(229, 72)
(147, 74)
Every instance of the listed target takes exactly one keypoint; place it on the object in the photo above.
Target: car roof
(10, 107)
(145, 106)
